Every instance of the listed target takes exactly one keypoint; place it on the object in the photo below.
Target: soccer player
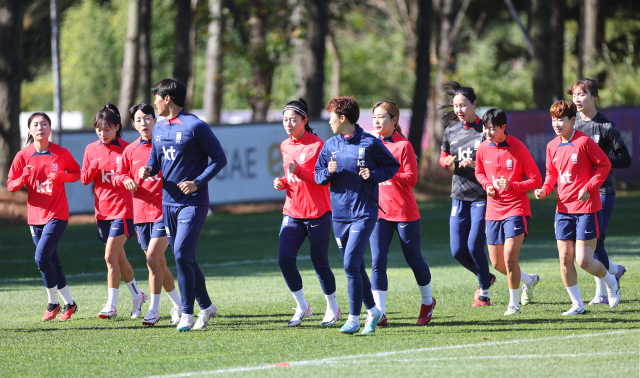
(147, 213)
(44, 167)
(608, 138)
(581, 167)
(506, 170)
(354, 163)
(114, 208)
(469, 201)
(181, 148)
(307, 213)
(398, 213)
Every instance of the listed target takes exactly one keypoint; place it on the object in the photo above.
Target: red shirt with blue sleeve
(577, 164)
(396, 194)
(99, 166)
(512, 160)
(147, 200)
(305, 198)
(47, 198)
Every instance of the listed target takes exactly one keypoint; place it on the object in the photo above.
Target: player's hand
(504, 183)
(365, 173)
(131, 185)
(293, 165)
(491, 191)
(583, 195)
(468, 163)
(187, 187)
(94, 164)
(52, 176)
(144, 172)
(27, 170)
(540, 193)
(449, 160)
(333, 166)
(277, 183)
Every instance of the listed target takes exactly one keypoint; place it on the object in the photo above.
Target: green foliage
(37, 95)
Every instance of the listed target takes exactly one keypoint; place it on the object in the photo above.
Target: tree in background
(182, 43)
(542, 65)
(131, 62)
(423, 71)
(213, 84)
(144, 51)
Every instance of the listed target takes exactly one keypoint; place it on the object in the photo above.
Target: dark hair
(345, 106)
(393, 110)
(172, 88)
(143, 107)
(109, 115)
(451, 90)
(495, 117)
(31, 117)
(562, 108)
(586, 85)
(302, 105)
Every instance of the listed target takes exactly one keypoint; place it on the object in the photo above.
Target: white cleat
(599, 300)
(136, 310)
(108, 312)
(186, 323)
(151, 318)
(175, 316)
(300, 315)
(575, 310)
(330, 318)
(204, 316)
(613, 294)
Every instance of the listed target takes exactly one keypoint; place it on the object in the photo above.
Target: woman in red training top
(44, 167)
(399, 212)
(307, 213)
(114, 207)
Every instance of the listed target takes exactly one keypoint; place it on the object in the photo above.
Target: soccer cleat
(330, 318)
(204, 316)
(383, 322)
(476, 296)
(186, 323)
(512, 310)
(527, 291)
(136, 311)
(175, 316)
(613, 294)
(481, 301)
(350, 327)
(69, 309)
(371, 323)
(300, 315)
(51, 312)
(621, 271)
(151, 318)
(108, 312)
(599, 300)
(575, 310)
(426, 311)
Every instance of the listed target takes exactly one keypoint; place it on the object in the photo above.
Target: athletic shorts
(150, 230)
(114, 227)
(578, 226)
(499, 231)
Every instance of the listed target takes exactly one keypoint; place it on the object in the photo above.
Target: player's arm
(211, 146)
(603, 165)
(71, 173)
(621, 157)
(89, 168)
(303, 173)
(322, 175)
(280, 183)
(388, 165)
(410, 167)
(551, 177)
(445, 152)
(534, 179)
(123, 172)
(18, 174)
(152, 167)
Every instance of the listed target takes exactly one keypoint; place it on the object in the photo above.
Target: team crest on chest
(157, 138)
(361, 153)
(118, 159)
(54, 166)
(509, 164)
(302, 156)
(574, 158)
(596, 138)
(178, 136)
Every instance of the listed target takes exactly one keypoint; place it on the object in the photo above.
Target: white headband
(295, 108)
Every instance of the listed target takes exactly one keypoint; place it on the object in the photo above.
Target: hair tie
(295, 109)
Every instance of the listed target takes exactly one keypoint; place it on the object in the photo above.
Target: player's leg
(292, 234)
(319, 231)
(459, 228)
(380, 241)
(159, 274)
(601, 255)
(124, 228)
(475, 244)
(565, 230)
(511, 252)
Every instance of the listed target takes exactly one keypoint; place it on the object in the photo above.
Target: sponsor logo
(517, 228)
(361, 152)
(565, 178)
(100, 232)
(353, 231)
(494, 182)
(151, 178)
(487, 161)
(45, 187)
(33, 232)
(509, 164)
(315, 225)
(158, 139)
(285, 221)
(54, 166)
(115, 228)
(480, 204)
(403, 225)
(107, 176)
(388, 182)
(588, 232)
(302, 156)
(160, 229)
(185, 221)
(292, 178)
(178, 136)
(136, 161)
(360, 163)
(166, 228)
(554, 159)
(169, 154)
(334, 154)
(464, 154)
(596, 138)
(574, 158)
(454, 142)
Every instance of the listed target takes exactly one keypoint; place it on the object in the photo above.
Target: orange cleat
(51, 312)
(69, 309)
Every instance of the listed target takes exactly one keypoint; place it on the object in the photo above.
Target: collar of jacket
(355, 138)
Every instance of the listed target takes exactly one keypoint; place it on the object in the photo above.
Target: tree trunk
(557, 24)
(192, 49)
(213, 77)
(144, 51)
(423, 70)
(181, 45)
(10, 80)
(588, 48)
(542, 60)
(129, 76)
(263, 67)
(335, 65)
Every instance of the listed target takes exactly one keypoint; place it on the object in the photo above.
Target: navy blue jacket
(352, 197)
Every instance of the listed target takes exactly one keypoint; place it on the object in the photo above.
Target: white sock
(601, 289)
(175, 298)
(425, 293)
(355, 318)
(155, 302)
(373, 312)
(514, 297)
(574, 294)
(485, 293)
(609, 280)
(332, 303)
(66, 295)
(113, 296)
(52, 294)
(525, 278)
(613, 268)
(134, 289)
(380, 297)
(299, 297)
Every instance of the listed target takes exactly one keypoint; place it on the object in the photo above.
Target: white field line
(368, 356)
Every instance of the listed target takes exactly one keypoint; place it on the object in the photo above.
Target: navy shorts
(499, 231)
(114, 227)
(578, 226)
(150, 230)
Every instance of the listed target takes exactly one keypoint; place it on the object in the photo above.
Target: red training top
(305, 198)
(512, 160)
(47, 199)
(396, 195)
(580, 164)
(147, 200)
(100, 162)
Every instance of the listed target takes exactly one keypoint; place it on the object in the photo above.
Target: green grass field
(238, 254)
